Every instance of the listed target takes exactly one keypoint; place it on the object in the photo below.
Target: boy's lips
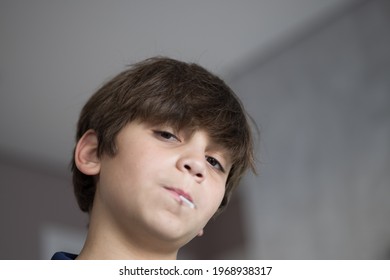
(179, 193)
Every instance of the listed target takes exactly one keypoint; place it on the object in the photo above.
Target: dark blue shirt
(63, 256)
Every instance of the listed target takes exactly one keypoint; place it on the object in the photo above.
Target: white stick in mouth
(186, 201)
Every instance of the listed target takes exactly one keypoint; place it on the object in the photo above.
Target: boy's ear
(86, 154)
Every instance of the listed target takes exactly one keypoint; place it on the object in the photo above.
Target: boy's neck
(105, 241)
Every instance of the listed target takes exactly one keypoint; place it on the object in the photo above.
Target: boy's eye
(166, 135)
(215, 163)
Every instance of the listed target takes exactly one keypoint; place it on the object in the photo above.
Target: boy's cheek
(215, 203)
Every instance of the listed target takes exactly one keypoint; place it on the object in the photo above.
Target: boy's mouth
(182, 196)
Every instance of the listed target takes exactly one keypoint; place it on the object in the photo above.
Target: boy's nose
(194, 165)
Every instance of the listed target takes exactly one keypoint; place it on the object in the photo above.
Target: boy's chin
(176, 237)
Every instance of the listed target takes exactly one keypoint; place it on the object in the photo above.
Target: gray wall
(34, 200)
(322, 102)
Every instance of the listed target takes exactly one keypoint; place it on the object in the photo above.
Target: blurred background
(315, 76)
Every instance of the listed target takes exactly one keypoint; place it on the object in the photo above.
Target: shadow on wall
(32, 197)
(224, 237)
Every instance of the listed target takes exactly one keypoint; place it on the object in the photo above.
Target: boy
(160, 148)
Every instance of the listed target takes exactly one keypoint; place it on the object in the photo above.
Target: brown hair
(165, 91)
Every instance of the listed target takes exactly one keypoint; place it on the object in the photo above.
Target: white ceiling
(55, 54)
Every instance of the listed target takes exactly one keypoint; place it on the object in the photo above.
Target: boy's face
(139, 188)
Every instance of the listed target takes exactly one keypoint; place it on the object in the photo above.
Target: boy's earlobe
(201, 233)
(86, 154)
